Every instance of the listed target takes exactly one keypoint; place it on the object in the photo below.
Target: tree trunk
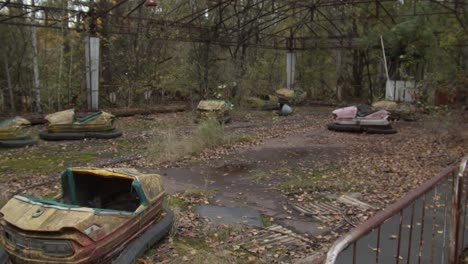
(36, 84)
(371, 88)
(206, 74)
(8, 79)
(59, 84)
(339, 79)
(70, 77)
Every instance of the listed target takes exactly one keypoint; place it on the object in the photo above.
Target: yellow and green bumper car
(14, 133)
(291, 97)
(101, 216)
(65, 126)
(213, 109)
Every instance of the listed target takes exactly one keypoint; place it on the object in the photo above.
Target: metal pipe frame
(362, 230)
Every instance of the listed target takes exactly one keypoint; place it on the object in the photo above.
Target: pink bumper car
(362, 118)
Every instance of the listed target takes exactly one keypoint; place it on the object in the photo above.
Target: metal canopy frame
(312, 24)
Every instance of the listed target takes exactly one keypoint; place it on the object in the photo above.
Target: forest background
(188, 50)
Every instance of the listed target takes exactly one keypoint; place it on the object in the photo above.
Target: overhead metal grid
(256, 23)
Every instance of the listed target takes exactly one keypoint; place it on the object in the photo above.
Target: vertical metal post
(35, 55)
(384, 57)
(290, 62)
(454, 246)
(290, 69)
(92, 62)
(92, 72)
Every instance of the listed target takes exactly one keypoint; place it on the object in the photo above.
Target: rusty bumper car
(101, 216)
(290, 97)
(64, 126)
(213, 109)
(361, 118)
(14, 133)
(399, 111)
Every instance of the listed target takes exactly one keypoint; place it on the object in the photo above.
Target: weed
(260, 176)
(170, 146)
(220, 234)
(208, 134)
(266, 220)
(174, 202)
(303, 180)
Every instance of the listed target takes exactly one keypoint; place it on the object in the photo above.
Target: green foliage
(266, 220)
(209, 133)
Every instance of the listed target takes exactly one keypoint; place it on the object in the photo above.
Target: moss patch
(200, 193)
(38, 162)
(266, 220)
(174, 202)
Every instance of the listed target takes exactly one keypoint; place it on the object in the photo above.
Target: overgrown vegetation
(173, 145)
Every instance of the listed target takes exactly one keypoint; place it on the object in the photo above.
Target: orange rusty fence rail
(396, 236)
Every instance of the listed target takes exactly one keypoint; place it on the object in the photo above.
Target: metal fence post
(454, 243)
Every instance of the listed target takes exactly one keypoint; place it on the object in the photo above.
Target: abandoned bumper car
(213, 109)
(101, 216)
(64, 126)
(290, 97)
(398, 111)
(362, 118)
(263, 102)
(14, 133)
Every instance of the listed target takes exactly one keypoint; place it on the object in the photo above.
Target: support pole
(290, 64)
(92, 72)
(92, 62)
(456, 217)
(290, 69)
(384, 57)
(36, 82)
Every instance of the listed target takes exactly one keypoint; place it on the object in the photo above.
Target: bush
(209, 134)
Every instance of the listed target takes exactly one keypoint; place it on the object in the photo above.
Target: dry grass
(170, 145)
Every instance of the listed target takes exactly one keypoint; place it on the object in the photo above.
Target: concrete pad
(218, 215)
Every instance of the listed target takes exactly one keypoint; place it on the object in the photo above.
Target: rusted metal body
(289, 96)
(213, 109)
(14, 128)
(428, 225)
(94, 235)
(65, 121)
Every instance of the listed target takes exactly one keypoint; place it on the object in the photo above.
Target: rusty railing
(428, 225)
